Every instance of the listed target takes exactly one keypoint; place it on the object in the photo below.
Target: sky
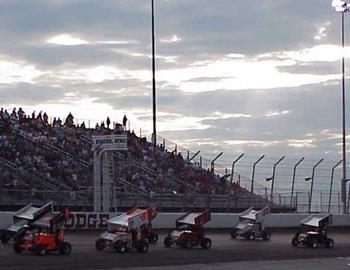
(257, 78)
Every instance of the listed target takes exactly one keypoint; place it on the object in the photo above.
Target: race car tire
(5, 238)
(17, 247)
(187, 244)
(65, 248)
(233, 234)
(329, 243)
(206, 243)
(100, 244)
(266, 236)
(312, 243)
(41, 250)
(251, 236)
(153, 238)
(120, 246)
(142, 246)
(295, 241)
(168, 242)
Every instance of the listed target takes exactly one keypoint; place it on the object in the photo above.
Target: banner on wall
(87, 220)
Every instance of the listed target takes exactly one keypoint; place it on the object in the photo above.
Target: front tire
(266, 236)
(233, 234)
(295, 241)
(100, 244)
(329, 243)
(5, 238)
(168, 242)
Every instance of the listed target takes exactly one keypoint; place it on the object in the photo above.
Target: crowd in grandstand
(60, 152)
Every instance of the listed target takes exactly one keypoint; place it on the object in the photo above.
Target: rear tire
(266, 236)
(206, 243)
(65, 248)
(251, 236)
(312, 243)
(120, 246)
(153, 238)
(142, 246)
(17, 247)
(168, 242)
(41, 251)
(100, 244)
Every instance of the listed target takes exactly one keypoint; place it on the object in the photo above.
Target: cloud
(66, 40)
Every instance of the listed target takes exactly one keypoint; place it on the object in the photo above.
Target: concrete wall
(86, 220)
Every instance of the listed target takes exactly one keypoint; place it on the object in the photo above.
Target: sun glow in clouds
(66, 40)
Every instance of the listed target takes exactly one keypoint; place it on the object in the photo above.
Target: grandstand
(42, 160)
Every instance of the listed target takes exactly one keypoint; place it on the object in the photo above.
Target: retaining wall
(86, 220)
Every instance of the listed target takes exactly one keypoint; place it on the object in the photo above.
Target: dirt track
(84, 256)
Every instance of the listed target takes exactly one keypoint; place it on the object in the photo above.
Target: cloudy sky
(259, 77)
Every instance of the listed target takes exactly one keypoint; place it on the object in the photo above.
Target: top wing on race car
(317, 221)
(194, 219)
(152, 213)
(255, 215)
(32, 213)
(132, 219)
(49, 219)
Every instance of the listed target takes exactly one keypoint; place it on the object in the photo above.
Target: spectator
(125, 120)
(108, 122)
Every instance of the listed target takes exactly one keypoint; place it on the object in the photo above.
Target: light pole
(293, 181)
(154, 134)
(272, 179)
(342, 6)
(233, 166)
(312, 182)
(212, 164)
(253, 174)
(331, 186)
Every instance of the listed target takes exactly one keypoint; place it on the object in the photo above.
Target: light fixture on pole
(342, 6)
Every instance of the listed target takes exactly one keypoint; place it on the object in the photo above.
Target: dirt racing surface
(224, 249)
